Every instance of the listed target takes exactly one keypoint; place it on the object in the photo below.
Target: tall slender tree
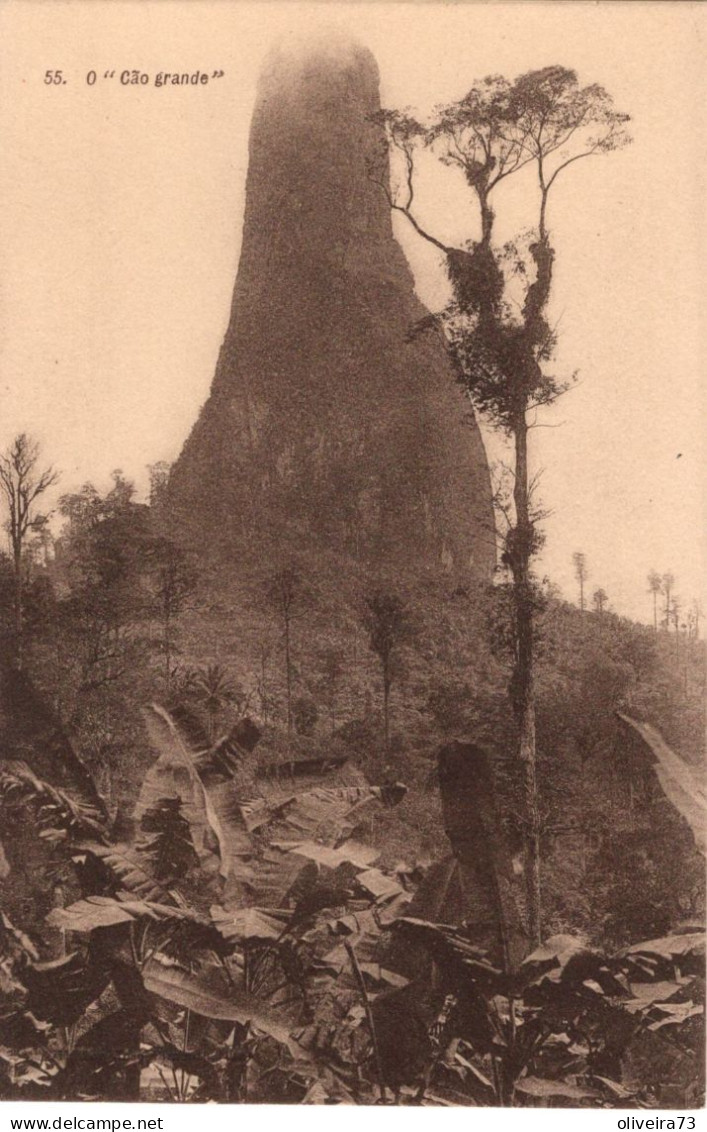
(581, 573)
(387, 619)
(655, 583)
(668, 581)
(22, 484)
(675, 611)
(496, 324)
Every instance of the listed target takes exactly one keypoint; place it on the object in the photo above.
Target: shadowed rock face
(325, 426)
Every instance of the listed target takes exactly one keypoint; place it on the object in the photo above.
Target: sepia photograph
(352, 554)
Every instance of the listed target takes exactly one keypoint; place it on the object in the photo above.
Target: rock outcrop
(327, 425)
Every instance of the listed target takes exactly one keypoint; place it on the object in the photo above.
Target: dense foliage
(198, 907)
(242, 945)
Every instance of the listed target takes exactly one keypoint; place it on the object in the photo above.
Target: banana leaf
(210, 807)
(106, 911)
(677, 780)
(211, 995)
(127, 867)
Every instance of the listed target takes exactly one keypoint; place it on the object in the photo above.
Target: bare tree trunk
(668, 591)
(655, 610)
(522, 682)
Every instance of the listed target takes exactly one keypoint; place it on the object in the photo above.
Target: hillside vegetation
(221, 880)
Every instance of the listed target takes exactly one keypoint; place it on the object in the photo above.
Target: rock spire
(327, 424)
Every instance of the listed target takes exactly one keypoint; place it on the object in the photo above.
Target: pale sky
(121, 227)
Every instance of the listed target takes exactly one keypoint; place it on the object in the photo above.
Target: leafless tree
(581, 573)
(674, 617)
(22, 484)
(667, 583)
(655, 583)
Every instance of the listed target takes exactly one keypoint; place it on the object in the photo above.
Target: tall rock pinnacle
(326, 425)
